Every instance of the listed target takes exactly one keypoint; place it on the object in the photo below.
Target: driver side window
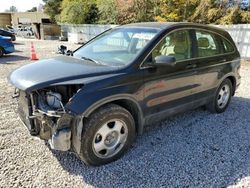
(176, 44)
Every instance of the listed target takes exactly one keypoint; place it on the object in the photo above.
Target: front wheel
(222, 97)
(107, 134)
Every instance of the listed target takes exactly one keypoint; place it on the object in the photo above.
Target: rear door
(167, 87)
(210, 60)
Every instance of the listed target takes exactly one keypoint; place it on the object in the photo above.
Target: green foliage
(144, 10)
(135, 10)
(175, 11)
(128, 11)
(125, 11)
(232, 16)
(107, 12)
(213, 15)
(53, 9)
(245, 16)
(79, 12)
(211, 11)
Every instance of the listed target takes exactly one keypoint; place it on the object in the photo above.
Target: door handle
(191, 66)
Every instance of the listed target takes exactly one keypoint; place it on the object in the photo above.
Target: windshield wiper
(89, 59)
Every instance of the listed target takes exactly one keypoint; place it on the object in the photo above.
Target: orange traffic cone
(33, 53)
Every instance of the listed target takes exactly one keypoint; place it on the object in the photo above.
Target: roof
(159, 25)
(165, 25)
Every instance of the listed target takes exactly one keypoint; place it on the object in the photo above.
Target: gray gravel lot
(194, 149)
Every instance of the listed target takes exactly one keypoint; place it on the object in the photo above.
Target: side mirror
(165, 60)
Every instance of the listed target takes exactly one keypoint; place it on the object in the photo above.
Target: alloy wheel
(223, 96)
(110, 138)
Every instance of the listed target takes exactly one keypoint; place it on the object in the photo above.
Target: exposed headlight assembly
(54, 100)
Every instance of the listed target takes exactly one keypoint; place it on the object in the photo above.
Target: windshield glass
(117, 47)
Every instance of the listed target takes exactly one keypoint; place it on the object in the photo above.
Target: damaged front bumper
(51, 125)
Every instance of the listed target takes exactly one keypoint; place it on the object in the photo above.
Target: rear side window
(208, 44)
(228, 47)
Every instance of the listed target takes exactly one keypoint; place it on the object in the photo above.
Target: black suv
(98, 98)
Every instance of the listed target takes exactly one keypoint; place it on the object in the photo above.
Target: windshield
(117, 47)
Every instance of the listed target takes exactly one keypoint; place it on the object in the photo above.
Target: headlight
(54, 99)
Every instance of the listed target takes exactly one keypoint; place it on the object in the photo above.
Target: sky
(22, 5)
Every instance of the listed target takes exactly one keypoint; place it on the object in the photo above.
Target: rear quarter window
(228, 47)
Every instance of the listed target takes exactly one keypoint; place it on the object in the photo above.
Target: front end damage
(43, 113)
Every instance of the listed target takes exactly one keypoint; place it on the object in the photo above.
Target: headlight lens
(54, 99)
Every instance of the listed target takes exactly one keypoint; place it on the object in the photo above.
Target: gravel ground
(194, 149)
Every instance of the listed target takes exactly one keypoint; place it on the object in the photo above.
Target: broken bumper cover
(61, 140)
(52, 126)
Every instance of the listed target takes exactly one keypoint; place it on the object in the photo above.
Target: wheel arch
(126, 102)
(233, 81)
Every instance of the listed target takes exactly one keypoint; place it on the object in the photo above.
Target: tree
(176, 10)
(232, 16)
(145, 10)
(128, 11)
(79, 12)
(220, 12)
(53, 9)
(34, 9)
(201, 13)
(11, 9)
(135, 10)
(245, 16)
(93, 14)
(125, 11)
(107, 11)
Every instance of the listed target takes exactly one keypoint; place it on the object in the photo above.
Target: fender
(226, 76)
(91, 97)
(109, 99)
(85, 109)
(230, 71)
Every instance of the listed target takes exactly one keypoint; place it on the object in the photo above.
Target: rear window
(208, 44)
(228, 47)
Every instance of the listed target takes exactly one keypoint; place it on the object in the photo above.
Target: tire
(107, 134)
(1, 52)
(222, 97)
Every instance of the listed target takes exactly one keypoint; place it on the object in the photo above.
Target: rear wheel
(107, 134)
(222, 98)
(1, 52)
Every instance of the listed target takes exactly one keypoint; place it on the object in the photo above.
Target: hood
(54, 71)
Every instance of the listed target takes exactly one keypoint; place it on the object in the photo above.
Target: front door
(170, 87)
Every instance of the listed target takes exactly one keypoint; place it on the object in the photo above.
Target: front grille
(25, 110)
